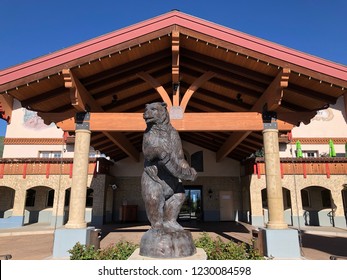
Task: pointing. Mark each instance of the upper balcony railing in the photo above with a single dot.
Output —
(300, 166)
(49, 166)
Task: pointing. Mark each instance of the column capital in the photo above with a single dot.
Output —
(82, 120)
(269, 119)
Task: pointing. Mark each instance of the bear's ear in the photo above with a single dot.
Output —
(164, 104)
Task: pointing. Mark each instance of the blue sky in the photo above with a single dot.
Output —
(29, 29)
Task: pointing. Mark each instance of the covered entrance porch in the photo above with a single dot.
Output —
(226, 92)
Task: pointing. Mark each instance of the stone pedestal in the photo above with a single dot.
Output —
(199, 255)
(65, 239)
(159, 243)
(281, 243)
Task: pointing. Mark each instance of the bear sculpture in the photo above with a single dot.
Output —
(161, 186)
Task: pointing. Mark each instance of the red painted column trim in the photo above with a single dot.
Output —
(281, 167)
(70, 171)
(2, 168)
(304, 169)
(327, 169)
(25, 166)
(48, 168)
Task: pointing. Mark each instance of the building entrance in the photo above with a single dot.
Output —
(192, 206)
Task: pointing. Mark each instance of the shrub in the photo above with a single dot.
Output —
(82, 252)
(216, 249)
(118, 251)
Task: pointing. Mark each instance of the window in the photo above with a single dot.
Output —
(309, 154)
(305, 198)
(49, 154)
(30, 198)
(326, 200)
(50, 198)
(264, 198)
(67, 197)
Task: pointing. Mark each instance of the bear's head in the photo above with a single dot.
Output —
(156, 113)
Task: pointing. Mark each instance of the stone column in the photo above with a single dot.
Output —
(79, 179)
(273, 177)
(19, 202)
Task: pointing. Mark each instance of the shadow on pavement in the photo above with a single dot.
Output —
(331, 245)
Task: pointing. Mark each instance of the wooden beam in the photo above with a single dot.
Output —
(345, 102)
(194, 86)
(271, 97)
(244, 121)
(6, 105)
(230, 144)
(124, 144)
(157, 86)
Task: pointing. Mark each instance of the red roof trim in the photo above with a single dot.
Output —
(160, 22)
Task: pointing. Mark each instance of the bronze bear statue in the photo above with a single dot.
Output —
(162, 189)
(164, 169)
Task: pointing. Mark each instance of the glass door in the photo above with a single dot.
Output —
(192, 206)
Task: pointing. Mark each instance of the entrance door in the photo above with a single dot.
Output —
(192, 207)
(226, 206)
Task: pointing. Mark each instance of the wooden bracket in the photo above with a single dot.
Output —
(81, 99)
(272, 96)
(157, 86)
(194, 86)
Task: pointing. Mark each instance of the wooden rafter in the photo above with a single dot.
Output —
(272, 98)
(191, 122)
(124, 144)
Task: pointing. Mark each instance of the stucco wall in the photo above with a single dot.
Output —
(328, 123)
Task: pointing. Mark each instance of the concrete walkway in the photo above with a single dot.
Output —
(35, 242)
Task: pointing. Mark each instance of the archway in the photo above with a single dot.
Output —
(318, 206)
(6, 201)
(39, 205)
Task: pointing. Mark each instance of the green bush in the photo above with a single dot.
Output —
(216, 249)
(82, 252)
(118, 251)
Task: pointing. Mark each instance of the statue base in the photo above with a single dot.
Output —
(162, 244)
(199, 255)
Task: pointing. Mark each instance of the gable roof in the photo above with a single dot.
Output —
(242, 68)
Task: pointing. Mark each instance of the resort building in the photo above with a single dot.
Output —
(265, 127)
